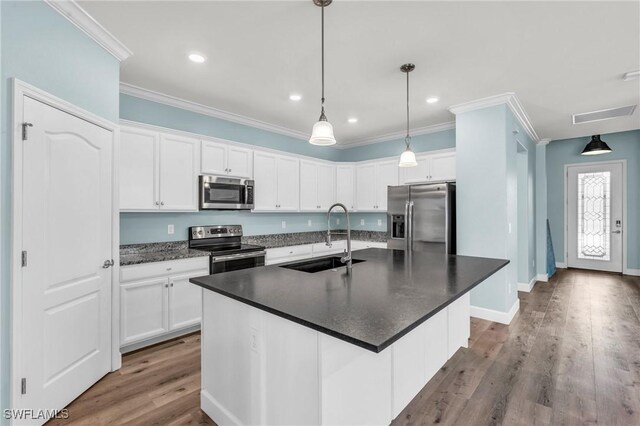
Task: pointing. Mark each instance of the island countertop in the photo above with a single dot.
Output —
(384, 297)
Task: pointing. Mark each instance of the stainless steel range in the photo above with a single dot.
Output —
(227, 253)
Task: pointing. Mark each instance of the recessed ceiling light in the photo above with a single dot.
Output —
(352, 120)
(432, 99)
(196, 57)
(295, 97)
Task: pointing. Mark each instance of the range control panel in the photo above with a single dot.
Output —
(218, 231)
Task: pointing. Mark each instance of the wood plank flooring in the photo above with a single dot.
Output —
(571, 356)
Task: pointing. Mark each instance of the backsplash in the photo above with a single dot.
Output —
(136, 228)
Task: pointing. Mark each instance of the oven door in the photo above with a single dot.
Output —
(234, 262)
(223, 193)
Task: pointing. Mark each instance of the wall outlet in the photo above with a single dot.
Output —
(284, 224)
(309, 222)
(509, 227)
(362, 222)
(338, 221)
(171, 229)
(379, 222)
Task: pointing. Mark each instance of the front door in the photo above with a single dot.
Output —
(594, 216)
(66, 285)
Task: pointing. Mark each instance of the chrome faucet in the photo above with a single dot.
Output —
(347, 253)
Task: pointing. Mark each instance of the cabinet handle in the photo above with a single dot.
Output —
(166, 286)
(229, 170)
(157, 203)
(171, 284)
(162, 203)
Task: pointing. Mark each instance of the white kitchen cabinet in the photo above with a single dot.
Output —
(361, 245)
(158, 171)
(317, 186)
(372, 180)
(219, 158)
(157, 299)
(178, 173)
(431, 168)
(277, 182)
(138, 169)
(346, 186)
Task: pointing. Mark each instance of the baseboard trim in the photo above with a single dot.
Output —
(634, 272)
(158, 339)
(561, 265)
(496, 316)
(216, 411)
(527, 287)
(542, 277)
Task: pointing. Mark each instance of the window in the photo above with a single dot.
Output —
(594, 210)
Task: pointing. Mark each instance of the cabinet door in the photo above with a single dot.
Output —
(185, 300)
(239, 162)
(308, 186)
(143, 309)
(264, 173)
(386, 175)
(345, 186)
(178, 173)
(288, 183)
(365, 187)
(138, 169)
(213, 158)
(415, 174)
(326, 186)
(443, 167)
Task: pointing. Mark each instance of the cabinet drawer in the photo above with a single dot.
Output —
(285, 254)
(154, 269)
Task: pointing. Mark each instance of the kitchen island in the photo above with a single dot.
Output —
(283, 346)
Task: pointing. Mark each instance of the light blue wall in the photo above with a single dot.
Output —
(482, 205)
(420, 143)
(42, 48)
(144, 111)
(625, 146)
(541, 209)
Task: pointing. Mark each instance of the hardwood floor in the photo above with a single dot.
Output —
(571, 356)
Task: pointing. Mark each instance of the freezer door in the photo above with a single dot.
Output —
(429, 214)
(397, 204)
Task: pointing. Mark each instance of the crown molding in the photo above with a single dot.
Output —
(544, 141)
(150, 95)
(85, 22)
(435, 128)
(510, 99)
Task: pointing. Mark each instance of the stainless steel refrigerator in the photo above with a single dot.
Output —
(422, 217)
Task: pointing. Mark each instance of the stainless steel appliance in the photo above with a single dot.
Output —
(225, 193)
(226, 251)
(422, 217)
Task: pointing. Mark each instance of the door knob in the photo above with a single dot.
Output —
(616, 232)
(107, 264)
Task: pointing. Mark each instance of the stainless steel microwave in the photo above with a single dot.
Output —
(225, 193)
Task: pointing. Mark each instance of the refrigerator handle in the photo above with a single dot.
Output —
(409, 225)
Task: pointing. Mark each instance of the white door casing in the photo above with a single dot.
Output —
(594, 199)
(66, 229)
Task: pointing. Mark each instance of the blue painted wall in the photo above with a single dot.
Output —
(42, 48)
(625, 146)
(541, 209)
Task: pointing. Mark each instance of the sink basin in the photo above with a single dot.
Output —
(317, 265)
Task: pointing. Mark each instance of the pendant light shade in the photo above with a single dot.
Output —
(596, 147)
(407, 158)
(322, 133)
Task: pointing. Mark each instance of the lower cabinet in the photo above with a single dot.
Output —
(158, 299)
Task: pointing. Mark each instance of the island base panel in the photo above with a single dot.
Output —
(258, 368)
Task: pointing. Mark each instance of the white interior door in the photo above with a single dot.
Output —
(65, 338)
(594, 217)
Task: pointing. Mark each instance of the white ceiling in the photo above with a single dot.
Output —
(559, 58)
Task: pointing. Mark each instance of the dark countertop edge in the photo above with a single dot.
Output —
(162, 257)
(373, 348)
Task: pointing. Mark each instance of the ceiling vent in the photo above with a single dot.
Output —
(604, 114)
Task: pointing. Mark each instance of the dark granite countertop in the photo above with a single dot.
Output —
(385, 297)
(135, 254)
(302, 238)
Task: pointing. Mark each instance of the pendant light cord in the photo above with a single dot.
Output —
(407, 138)
(322, 116)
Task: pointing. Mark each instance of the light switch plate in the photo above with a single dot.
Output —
(309, 222)
(338, 221)
(171, 229)
(379, 222)
(361, 221)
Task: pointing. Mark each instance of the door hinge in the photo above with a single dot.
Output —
(24, 258)
(23, 386)
(24, 130)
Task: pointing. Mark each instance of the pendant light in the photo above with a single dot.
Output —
(322, 133)
(596, 147)
(408, 158)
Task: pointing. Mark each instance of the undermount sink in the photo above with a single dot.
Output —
(317, 265)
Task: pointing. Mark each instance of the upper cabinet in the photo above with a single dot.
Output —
(317, 185)
(372, 180)
(224, 159)
(157, 171)
(346, 186)
(277, 182)
(431, 168)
